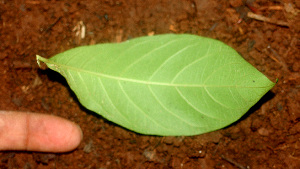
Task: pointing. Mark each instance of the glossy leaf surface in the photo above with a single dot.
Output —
(164, 84)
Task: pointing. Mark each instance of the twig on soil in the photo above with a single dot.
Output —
(276, 7)
(216, 149)
(265, 19)
(18, 64)
(292, 44)
(277, 58)
(213, 26)
(33, 2)
(51, 26)
(233, 162)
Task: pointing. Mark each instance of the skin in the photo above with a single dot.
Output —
(37, 132)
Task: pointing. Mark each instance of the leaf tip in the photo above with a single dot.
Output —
(38, 60)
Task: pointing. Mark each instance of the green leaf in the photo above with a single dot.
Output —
(164, 84)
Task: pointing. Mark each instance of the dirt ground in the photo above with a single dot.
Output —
(268, 136)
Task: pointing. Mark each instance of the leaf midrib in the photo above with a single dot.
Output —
(62, 66)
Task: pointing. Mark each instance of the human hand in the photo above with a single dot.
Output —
(37, 132)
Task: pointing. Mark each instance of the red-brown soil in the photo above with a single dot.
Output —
(266, 137)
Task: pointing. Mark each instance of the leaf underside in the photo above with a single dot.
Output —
(164, 84)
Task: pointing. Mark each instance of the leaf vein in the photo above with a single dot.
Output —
(212, 97)
(190, 64)
(147, 82)
(190, 104)
(90, 95)
(132, 102)
(145, 55)
(171, 57)
(109, 99)
(128, 49)
(169, 111)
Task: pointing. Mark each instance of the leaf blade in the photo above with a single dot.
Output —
(165, 84)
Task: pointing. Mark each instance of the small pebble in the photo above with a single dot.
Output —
(263, 132)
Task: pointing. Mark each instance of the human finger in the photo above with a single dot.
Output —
(37, 132)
